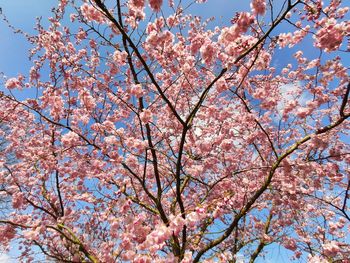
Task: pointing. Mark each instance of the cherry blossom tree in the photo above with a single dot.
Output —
(153, 135)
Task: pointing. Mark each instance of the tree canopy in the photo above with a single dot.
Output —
(147, 133)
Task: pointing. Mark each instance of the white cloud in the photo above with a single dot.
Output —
(285, 91)
(240, 258)
(4, 258)
(289, 93)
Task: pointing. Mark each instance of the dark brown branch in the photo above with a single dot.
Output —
(345, 101)
(59, 193)
(346, 197)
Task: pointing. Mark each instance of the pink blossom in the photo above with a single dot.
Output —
(331, 249)
(31, 234)
(12, 83)
(316, 259)
(158, 236)
(289, 107)
(171, 3)
(258, 7)
(34, 74)
(7, 232)
(290, 244)
(157, 39)
(244, 21)
(91, 13)
(17, 200)
(156, 4)
(194, 217)
(284, 39)
(221, 85)
(177, 224)
(229, 35)
(120, 57)
(138, 3)
(111, 140)
(303, 112)
(135, 14)
(330, 36)
(87, 100)
(126, 242)
(142, 259)
(70, 139)
(137, 90)
(81, 34)
(208, 52)
(109, 126)
(226, 144)
(146, 116)
(267, 238)
(187, 258)
(129, 255)
(73, 17)
(57, 106)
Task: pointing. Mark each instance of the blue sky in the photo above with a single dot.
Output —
(13, 47)
(14, 50)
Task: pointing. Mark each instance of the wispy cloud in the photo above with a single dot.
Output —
(4, 258)
(288, 93)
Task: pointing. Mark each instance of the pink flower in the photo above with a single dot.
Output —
(146, 116)
(244, 21)
(155, 4)
(86, 98)
(163, 233)
(34, 75)
(316, 259)
(208, 52)
(129, 255)
(331, 249)
(73, 17)
(229, 35)
(258, 7)
(109, 126)
(221, 85)
(142, 259)
(136, 90)
(70, 139)
(120, 57)
(194, 217)
(138, 3)
(187, 258)
(17, 200)
(177, 225)
(12, 83)
(57, 106)
(91, 13)
(7, 232)
(226, 145)
(81, 35)
(330, 36)
(290, 244)
(158, 236)
(303, 112)
(135, 13)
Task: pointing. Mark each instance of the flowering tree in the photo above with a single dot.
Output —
(152, 135)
